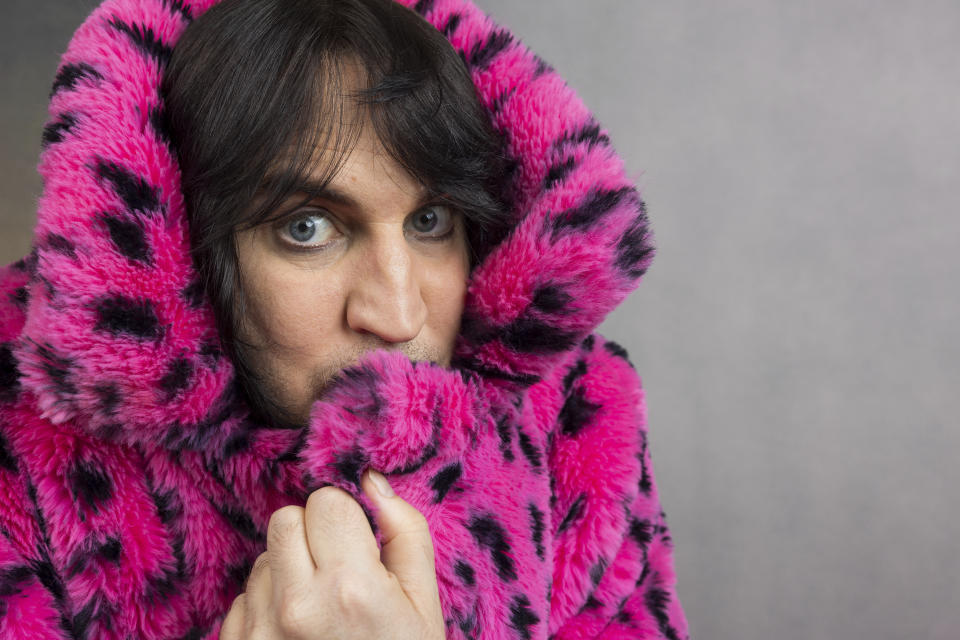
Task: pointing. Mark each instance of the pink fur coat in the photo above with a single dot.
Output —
(135, 490)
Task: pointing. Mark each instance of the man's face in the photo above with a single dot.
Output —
(371, 265)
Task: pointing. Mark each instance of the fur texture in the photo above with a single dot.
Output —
(135, 489)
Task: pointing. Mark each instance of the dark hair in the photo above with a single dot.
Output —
(255, 86)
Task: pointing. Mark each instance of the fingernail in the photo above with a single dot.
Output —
(380, 482)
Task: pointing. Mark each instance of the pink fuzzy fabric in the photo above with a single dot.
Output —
(136, 489)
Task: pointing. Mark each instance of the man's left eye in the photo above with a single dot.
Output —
(435, 220)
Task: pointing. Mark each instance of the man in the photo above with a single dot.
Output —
(280, 261)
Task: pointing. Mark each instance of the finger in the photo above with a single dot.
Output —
(339, 534)
(291, 565)
(407, 548)
(233, 624)
(258, 595)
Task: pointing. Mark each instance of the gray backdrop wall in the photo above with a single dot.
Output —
(798, 332)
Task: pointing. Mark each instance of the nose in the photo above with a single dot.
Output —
(385, 299)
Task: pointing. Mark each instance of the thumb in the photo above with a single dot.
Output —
(407, 549)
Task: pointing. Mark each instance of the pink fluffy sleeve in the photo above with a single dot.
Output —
(613, 554)
(29, 608)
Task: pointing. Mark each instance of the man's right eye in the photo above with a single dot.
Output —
(307, 230)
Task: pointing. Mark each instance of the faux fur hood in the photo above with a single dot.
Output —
(116, 323)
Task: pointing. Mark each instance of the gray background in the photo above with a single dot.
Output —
(797, 333)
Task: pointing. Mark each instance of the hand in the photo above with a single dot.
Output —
(323, 577)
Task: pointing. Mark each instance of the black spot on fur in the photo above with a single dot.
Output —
(12, 580)
(595, 206)
(9, 373)
(495, 373)
(452, 22)
(363, 378)
(496, 106)
(350, 464)
(57, 368)
(477, 330)
(194, 293)
(144, 39)
(81, 620)
(121, 315)
(109, 550)
(528, 335)
(428, 454)
(522, 616)
(179, 7)
(483, 53)
(241, 522)
(169, 507)
(20, 296)
(558, 172)
(70, 74)
(195, 633)
(90, 484)
(529, 449)
(646, 482)
(490, 534)
(423, 6)
(177, 377)
(641, 531)
(109, 395)
(48, 577)
(60, 244)
(211, 353)
(542, 67)
(505, 431)
(466, 623)
(577, 412)
(551, 299)
(657, 601)
(634, 248)
(157, 117)
(8, 460)
(575, 373)
(589, 133)
(537, 524)
(55, 131)
(592, 603)
(237, 443)
(597, 571)
(465, 572)
(237, 575)
(129, 238)
(587, 343)
(137, 194)
(445, 479)
(573, 513)
(616, 350)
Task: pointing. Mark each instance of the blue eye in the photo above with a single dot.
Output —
(435, 220)
(307, 230)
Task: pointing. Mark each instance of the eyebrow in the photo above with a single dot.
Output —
(317, 190)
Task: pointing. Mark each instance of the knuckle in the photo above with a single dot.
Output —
(353, 598)
(419, 523)
(261, 564)
(291, 619)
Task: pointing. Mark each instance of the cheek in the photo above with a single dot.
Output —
(289, 309)
(448, 290)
